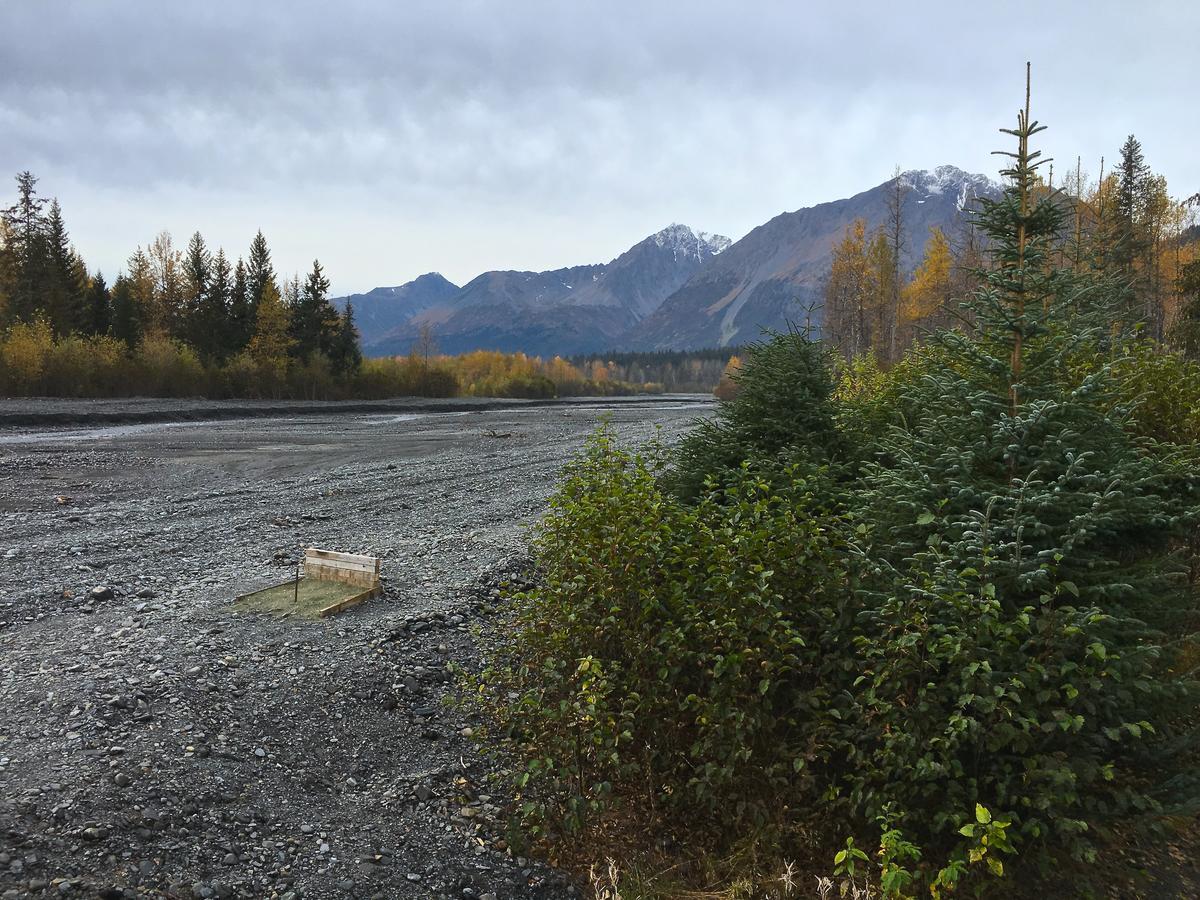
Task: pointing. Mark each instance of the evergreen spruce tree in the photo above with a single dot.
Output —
(197, 275)
(25, 247)
(212, 331)
(241, 320)
(127, 323)
(782, 414)
(98, 307)
(1020, 591)
(344, 352)
(65, 277)
(315, 323)
(259, 273)
(1126, 244)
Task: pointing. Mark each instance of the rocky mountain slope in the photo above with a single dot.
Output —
(380, 310)
(774, 274)
(574, 310)
(677, 289)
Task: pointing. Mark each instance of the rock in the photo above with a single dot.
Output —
(100, 594)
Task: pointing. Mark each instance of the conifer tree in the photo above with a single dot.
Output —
(213, 327)
(98, 307)
(259, 273)
(897, 240)
(240, 321)
(1023, 576)
(315, 323)
(1125, 245)
(25, 249)
(344, 351)
(143, 287)
(127, 324)
(64, 277)
(197, 274)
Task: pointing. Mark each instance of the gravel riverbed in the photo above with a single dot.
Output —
(155, 743)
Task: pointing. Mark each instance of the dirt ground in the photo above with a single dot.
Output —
(153, 743)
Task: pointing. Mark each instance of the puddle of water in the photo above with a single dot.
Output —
(108, 432)
(409, 417)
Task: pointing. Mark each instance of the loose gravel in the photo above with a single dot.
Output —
(155, 743)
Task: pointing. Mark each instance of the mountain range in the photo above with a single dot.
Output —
(678, 289)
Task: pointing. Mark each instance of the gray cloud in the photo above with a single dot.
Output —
(390, 139)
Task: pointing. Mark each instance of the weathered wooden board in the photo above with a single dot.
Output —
(358, 598)
(351, 568)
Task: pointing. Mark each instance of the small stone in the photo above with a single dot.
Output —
(306, 829)
(100, 593)
(260, 752)
(121, 779)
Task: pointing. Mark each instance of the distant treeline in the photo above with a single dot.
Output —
(175, 321)
(672, 371)
(35, 363)
(189, 323)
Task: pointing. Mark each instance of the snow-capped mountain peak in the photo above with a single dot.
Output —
(966, 185)
(949, 179)
(683, 241)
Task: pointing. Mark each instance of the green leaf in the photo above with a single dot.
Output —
(925, 518)
(982, 816)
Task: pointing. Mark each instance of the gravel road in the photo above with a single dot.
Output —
(154, 743)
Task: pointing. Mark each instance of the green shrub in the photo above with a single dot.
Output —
(781, 412)
(674, 651)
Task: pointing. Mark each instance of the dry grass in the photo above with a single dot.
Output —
(303, 601)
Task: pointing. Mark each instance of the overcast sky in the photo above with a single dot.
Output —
(391, 139)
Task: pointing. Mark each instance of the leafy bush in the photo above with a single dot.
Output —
(24, 351)
(674, 645)
(168, 368)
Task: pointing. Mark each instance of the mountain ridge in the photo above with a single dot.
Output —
(676, 289)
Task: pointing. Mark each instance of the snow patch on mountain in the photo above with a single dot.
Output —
(950, 178)
(689, 244)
